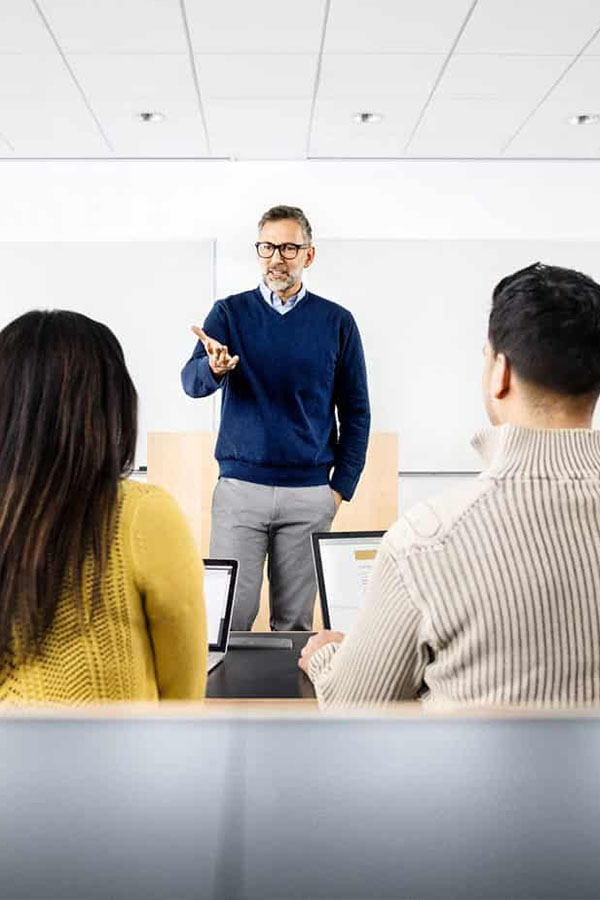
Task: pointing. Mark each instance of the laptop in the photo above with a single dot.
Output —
(343, 563)
(220, 577)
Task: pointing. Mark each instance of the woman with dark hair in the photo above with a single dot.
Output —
(100, 583)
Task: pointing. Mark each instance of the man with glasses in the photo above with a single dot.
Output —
(287, 361)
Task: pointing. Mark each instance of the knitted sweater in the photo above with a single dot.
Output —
(147, 639)
(489, 593)
(278, 420)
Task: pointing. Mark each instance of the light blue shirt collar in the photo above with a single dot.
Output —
(273, 300)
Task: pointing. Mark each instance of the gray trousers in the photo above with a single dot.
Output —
(253, 521)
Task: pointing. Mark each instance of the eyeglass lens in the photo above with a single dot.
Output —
(287, 251)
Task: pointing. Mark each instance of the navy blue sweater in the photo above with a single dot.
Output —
(278, 423)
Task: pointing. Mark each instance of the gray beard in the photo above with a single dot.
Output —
(278, 285)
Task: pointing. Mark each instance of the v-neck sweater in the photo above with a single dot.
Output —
(278, 412)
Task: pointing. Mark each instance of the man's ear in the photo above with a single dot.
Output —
(310, 255)
(501, 375)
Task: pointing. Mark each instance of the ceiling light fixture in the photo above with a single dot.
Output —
(584, 119)
(367, 118)
(152, 116)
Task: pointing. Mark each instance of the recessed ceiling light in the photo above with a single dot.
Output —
(584, 119)
(367, 118)
(152, 116)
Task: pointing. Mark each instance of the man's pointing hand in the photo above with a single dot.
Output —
(219, 359)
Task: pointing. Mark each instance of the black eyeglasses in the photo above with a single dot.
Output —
(287, 251)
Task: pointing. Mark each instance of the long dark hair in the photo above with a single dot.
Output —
(68, 426)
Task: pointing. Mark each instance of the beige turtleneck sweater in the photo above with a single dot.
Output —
(489, 593)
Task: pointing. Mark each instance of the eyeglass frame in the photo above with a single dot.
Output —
(277, 248)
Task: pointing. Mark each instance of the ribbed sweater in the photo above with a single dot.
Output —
(147, 638)
(489, 593)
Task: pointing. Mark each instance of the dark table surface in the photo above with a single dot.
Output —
(262, 673)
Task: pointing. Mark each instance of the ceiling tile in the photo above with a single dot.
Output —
(580, 85)
(241, 26)
(500, 76)
(253, 75)
(41, 111)
(394, 26)
(466, 127)
(531, 27)
(335, 133)
(387, 75)
(548, 133)
(22, 29)
(6, 149)
(258, 129)
(594, 48)
(116, 26)
(119, 87)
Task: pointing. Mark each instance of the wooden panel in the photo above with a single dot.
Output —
(374, 506)
(184, 464)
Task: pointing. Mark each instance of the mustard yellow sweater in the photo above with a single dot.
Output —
(147, 638)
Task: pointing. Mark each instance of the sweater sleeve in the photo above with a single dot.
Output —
(169, 576)
(351, 398)
(197, 377)
(382, 658)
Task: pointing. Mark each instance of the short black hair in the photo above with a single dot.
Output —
(546, 321)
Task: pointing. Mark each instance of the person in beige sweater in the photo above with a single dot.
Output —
(490, 593)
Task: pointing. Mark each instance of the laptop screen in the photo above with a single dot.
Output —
(219, 589)
(343, 563)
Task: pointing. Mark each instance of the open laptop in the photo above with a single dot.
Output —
(220, 578)
(343, 562)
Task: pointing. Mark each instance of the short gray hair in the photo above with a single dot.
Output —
(276, 213)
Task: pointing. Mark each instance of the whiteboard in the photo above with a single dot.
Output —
(422, 309)
(148, 293)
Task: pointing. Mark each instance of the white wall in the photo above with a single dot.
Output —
(147, 292)
(190, 200)
(155, 200)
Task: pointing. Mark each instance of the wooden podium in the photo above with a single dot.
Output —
(183, 463)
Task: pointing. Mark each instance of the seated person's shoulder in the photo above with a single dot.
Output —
(428, 523)
(140, 501)
(154, 523)
(138, 491)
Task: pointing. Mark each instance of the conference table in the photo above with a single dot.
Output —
(261, 672)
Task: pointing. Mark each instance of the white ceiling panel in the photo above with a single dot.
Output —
(594, 47)
(22, 29)
(335, 133)
(119, 87)
(466, 127)
(116, 26)
(6, 149)
(245, 26)
(530, 26)
(254, 75)
(500, 76)
(394, 26)
(257, 65)
(258, 129)
(548, 133)
(580, 86)
(387, 75)
(41, 111)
